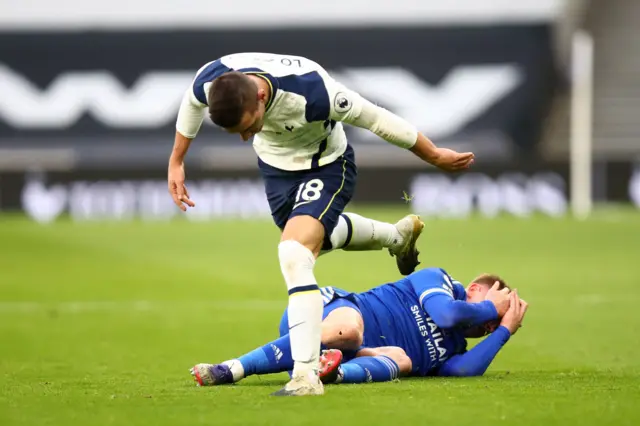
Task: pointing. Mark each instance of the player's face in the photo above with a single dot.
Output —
(476, 293)
(251, 123)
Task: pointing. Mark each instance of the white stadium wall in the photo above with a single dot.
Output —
(217, 14)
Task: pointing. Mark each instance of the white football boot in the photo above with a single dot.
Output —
(302, 385)
(409, 227)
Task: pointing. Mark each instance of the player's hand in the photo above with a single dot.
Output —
(450, 160)
(512, 320)
(177, 189)
(499, 298)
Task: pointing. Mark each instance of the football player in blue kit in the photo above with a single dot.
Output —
(417, 326)
(295, 111)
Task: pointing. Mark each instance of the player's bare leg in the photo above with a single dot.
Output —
(299, 247)
(357, 233)
(343, 329)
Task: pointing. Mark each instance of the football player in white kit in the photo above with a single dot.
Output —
(294, 111)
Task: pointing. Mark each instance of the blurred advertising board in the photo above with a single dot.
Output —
(489, 190)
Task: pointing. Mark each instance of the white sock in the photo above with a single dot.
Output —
(236, 369)
(305, 306)
(356, 233)
(340, 234)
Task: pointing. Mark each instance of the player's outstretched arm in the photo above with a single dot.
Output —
(477, 360)
(349, 107)
(176, 175)
(443, 158)
(190, 117)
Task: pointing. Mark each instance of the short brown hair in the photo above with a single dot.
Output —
(489, 279)
(230, 96)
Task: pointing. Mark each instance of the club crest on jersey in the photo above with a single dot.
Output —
(341, 103)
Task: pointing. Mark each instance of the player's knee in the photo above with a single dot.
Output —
(306, 230)
(404, 362)
(352, 336)
(399, 356)
(346, 337)
(296, 262)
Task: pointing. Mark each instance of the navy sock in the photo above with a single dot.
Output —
(369, 369)
(274, 357)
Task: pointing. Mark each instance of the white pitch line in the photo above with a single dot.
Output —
(32, 307)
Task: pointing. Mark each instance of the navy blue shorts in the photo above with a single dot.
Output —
(322, 192)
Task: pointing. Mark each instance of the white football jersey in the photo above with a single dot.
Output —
(302, 124)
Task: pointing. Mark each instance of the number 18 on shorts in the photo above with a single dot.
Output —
(322, 193)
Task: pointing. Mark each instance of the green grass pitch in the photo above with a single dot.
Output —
(100, 322)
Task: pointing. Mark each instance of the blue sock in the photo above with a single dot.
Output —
(369, 369)
(274, 357)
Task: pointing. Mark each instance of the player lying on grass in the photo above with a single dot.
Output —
(416, 326)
